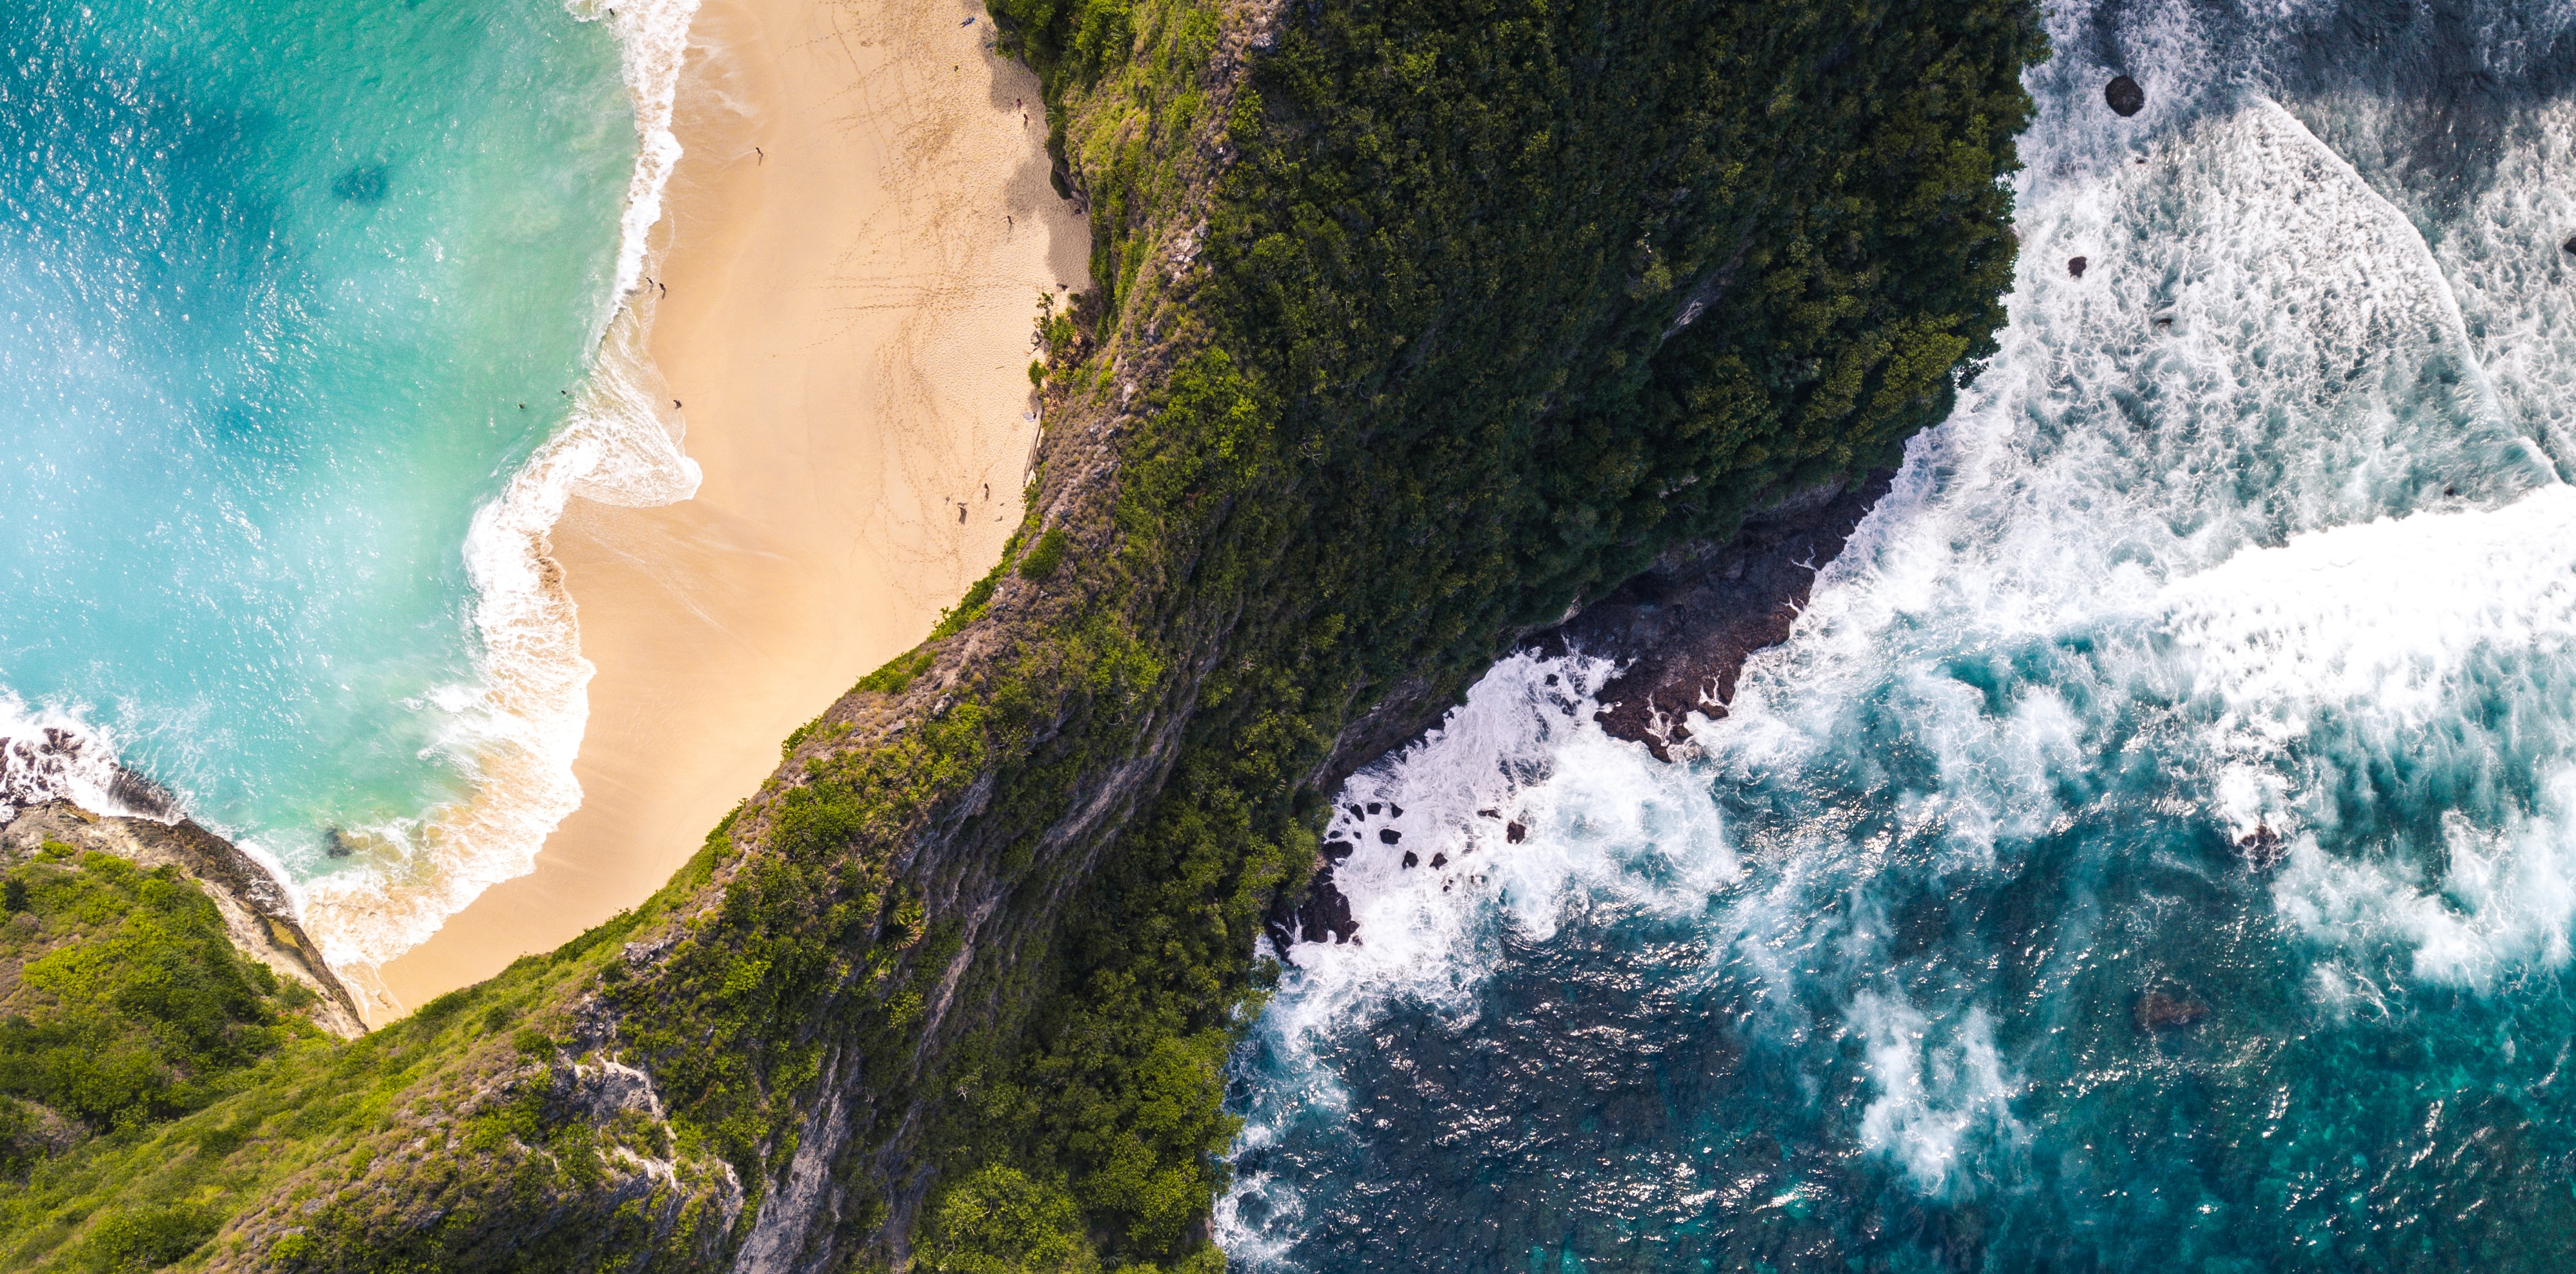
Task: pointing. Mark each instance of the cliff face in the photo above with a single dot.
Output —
(1414, 326)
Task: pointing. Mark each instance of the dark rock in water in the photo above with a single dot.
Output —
(1389, 835)
(1325, 914)
(1355, 810)
(1374, 807)
(335, 843)
(1686, 626)
(362, 184)
(2124, 95)
(141, 795)
(2076, 267)
(2261, 847)
(1410, 860)
(2159, 1011)
(1394, 810)
(1337, 850)
(1513, 832)
(1439, 860)
(1489, 813)
(2570, 245)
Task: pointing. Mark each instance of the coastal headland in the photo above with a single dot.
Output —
(849, 257)
(1405, 333)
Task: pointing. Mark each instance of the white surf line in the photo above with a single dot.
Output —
(519, 726)
(2455, 323)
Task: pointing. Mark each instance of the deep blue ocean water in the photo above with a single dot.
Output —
(2156, 847)
(290, 292)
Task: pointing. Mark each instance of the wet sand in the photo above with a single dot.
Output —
(852, 248)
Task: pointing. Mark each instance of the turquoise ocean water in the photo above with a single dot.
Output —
(2156, 847)
(290, 292)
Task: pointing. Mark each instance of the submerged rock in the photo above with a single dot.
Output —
(2159, 1011)
(364, 184)
(2124, 95)
(2076, 267)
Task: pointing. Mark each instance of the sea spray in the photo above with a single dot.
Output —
(49, 754)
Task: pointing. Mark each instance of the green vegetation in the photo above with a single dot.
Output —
(1493, 302)
(1499, 302)
(1045, 556)
(122, 1002)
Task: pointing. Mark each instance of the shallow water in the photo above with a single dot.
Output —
(290, 290)
(1946, 952)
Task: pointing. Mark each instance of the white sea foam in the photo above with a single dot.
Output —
(1939, 1103)
(52, 753)
(2256, 497)
(652, 41)
(518, 727)
(1635, 834)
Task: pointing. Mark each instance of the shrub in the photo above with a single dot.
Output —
(998, 1221)
(1045, 556)
(146, 1238)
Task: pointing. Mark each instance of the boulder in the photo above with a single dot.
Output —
(2124, 95)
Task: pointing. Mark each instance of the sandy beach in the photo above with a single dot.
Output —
(847, 268)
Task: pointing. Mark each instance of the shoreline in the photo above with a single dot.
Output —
(845, 333)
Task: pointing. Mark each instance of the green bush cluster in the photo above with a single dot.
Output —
(1046, 555)
(130, 1003)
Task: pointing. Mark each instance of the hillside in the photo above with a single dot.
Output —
(1413, 326)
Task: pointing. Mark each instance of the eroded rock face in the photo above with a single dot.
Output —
(1684, 628)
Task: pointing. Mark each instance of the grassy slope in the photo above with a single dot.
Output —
(1454, 314)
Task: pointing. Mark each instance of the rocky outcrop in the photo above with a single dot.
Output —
(1683, 629)
(256, 909)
